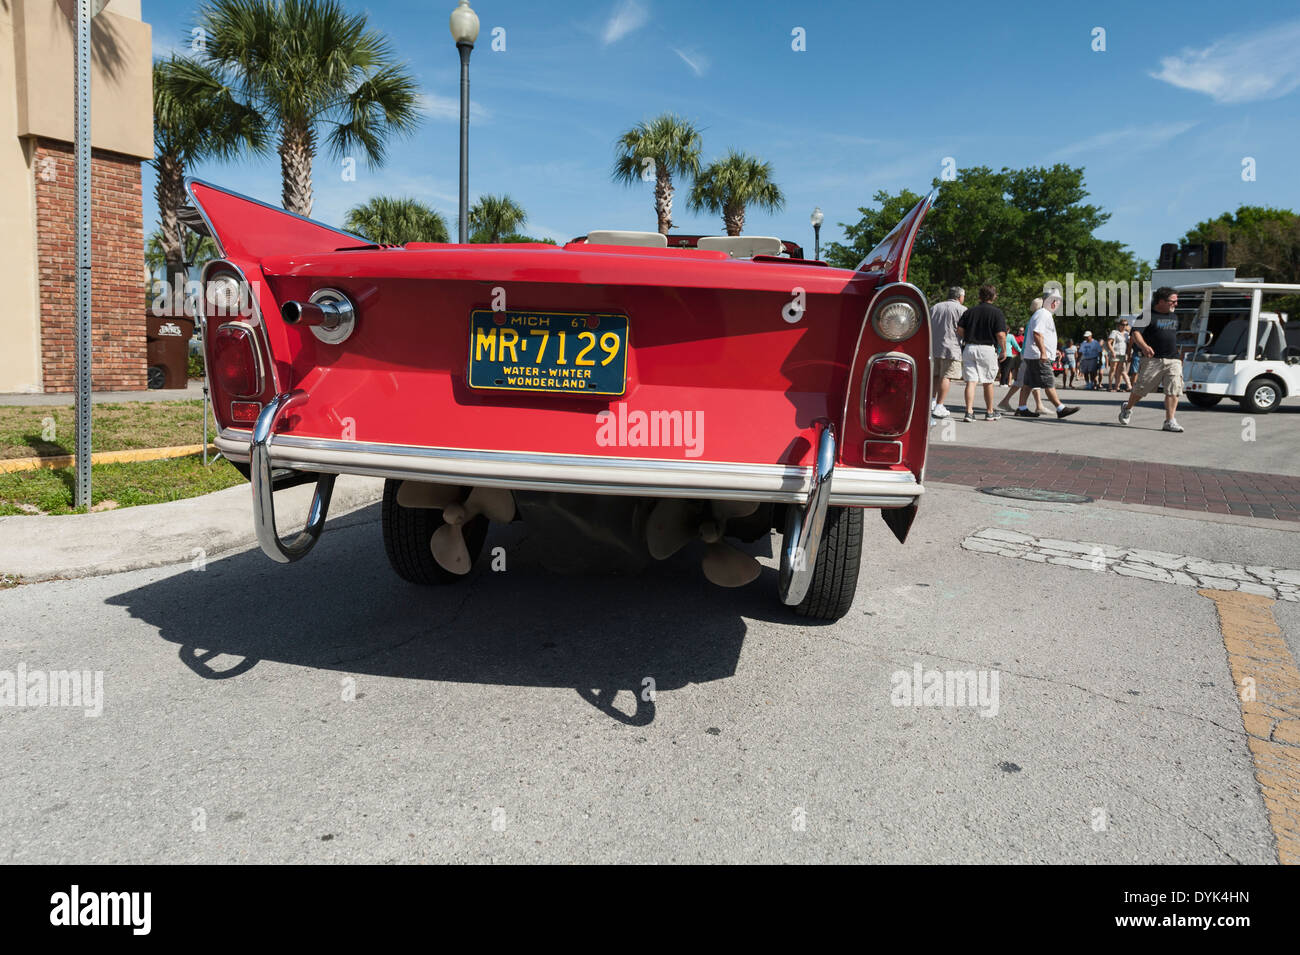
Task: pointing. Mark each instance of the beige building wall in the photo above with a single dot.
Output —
(37, 63)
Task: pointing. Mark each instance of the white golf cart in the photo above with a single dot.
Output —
(1241, 352)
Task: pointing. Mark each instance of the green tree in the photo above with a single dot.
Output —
(197, 250)
(494, 217)
(732, 184)
(1017, 228)
(389, 220)
(311, 68)
(196, 117)
(662, 148)
(1262, 243)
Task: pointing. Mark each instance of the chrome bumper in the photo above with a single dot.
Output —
(574, 473)
(259, 455)
(803, 526)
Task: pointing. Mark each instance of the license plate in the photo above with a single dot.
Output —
(560, 352)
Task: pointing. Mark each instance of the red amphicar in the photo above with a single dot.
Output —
(643, 389)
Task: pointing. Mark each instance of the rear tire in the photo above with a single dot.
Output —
(835, 577)
(407, 533)
(1202, 400)
(1263, 395)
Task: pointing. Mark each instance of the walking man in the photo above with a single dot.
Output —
(945, 347)
(1040, 350)
(1119, 343)
(984, 332)
(1158, 345)
(1089, 359)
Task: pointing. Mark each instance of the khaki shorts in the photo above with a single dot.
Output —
(979, 363)
(948, 368)
(1154, 372)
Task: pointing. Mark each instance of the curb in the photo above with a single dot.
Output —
(67, 546)
(9, 465)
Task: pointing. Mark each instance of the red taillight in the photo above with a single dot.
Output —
(234, 361)
(245, 412)
(882, 452)
(887, 395)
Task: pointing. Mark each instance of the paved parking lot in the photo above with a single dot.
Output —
(325, 711)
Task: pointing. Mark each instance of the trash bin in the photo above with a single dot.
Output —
(167, 350)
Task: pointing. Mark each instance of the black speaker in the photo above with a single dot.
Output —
(1168, 255)
(1218, 255)
(1191, 257)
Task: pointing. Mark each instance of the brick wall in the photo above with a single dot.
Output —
(117, 297)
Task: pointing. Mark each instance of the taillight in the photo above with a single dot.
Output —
(234, 358)
(888, 392)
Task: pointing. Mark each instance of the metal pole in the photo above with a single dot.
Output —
(465, 50)
(82, 145)
(817, 242)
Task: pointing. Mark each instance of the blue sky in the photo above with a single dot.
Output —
(1161, 120)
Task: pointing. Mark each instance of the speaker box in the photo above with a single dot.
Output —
(1218, 255)
(1168, 255)
(1192, 257)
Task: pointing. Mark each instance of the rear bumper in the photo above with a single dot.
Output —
(590, 474)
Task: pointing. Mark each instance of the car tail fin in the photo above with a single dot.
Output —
(891, 254)
(249, 229)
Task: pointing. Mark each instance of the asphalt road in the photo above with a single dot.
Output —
(326, 711)
(1219, 437)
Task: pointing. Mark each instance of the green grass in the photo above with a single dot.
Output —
(45, 431)
(128, 484)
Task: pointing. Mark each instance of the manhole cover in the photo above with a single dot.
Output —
(1037, 494)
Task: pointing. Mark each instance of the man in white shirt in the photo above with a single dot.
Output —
(1040, 351)
(1117, 342)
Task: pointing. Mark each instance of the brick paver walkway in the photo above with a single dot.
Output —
(1214, 490)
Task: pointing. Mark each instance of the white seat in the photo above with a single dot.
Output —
(653, 240)
(742, 246)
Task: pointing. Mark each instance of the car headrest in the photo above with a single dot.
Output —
(653, 240)
(742, 246)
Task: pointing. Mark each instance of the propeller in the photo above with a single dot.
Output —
(448, 543)
(424, 494)
(674, 523)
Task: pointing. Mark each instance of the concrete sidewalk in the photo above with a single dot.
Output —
(193, 392)
(155, 535)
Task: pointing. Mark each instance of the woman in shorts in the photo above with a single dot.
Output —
(1071, 361)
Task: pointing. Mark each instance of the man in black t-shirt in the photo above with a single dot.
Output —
(1161, 366)
(983, 331)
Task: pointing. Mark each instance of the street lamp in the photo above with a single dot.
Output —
(816, 220)
(464, 30)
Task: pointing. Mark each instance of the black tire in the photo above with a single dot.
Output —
(407, 533)
(1263, 395)
(835, 577)
(1202, 400)
(156, 377)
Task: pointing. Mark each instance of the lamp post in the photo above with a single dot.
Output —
(816, 220)
(464, 30)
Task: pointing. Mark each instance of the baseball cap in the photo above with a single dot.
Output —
(1087, 334)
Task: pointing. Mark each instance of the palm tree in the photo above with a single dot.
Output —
(732, 183)
(666, 146)
(312, 68)
(196, 250)
(196, 117)
(389, 220)
(494, 217)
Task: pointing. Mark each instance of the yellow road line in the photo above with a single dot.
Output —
(8, 465)
(1268, 689)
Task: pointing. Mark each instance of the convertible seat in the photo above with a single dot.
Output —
(653, 240)
(742, 246)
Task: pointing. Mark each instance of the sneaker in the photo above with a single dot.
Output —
(1067, 411)
(968, 417)
(992, 416)
(1125, 414)
(1026, 413)
(1172, 426)
(939, 411)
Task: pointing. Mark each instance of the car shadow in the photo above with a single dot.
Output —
(342, 608)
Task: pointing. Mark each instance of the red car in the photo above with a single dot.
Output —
(617, 387)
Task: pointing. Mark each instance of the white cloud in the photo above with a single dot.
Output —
(1126, 140)
(696, 61)
(448, 108)
(1240, 69)
(627, 16)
